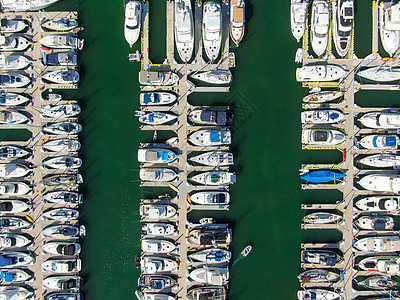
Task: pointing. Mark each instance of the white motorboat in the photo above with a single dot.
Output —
(157, 211)
(158, 78)
(212, 29)
(327, 137)
(63, 163)
(25, 5)
(210, 275)
(61, 231)
(62, 145)
(378, 244)
(343, 17)
(63, 180)
(214, 76)
(321, 257)
(162, 229)
(375, 223)
(323, 96)
(62, 24)
(380, 120)
(14, 117)
(156, 155)
(65, 76)
(62, 128)
(237, 20)
(133, 20)
(60, 111)
(61, 214)
(148, 282)
(13, 43)
(216, 292)
(323, 116)
(318, 276)
(14, 188)
(13, 276)
(320, 23)
(12, 25)
(157, 98)
(155, 117)
(13, 170)
(157, 246)
(298, 17)
(157, 174)
(381, 74)
(14, 292)
(60, 59)
(64, 296)
(317, 294)
(12, 99)
(12, 152)
(322, 218)
(210, 116)
(13, 80)
(13, 223)
(62, 282)
(8, 241)
(154, 265)
(378, 282)
(184, 29)
(62, 248)
(211, 256)
(380, 142)
(383, 264)
(389, 26)
(63, 197)
(381, 183)
(13, 206)
(320, 72)
(13, 62)
(152, 296)
(15, 259)
(214, 178)
(379, 203)
(62, 266)
(59, 41)
(210, 237)
(381, 160)
(213, 158)
(211, 137)
(210, 198)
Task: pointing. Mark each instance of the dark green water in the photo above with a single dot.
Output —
(265, 210)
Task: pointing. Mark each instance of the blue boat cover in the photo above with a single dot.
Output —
(334, 116)
(390, 141)
(214, 137)
(5, 276)
(5, 261)
(322, 176)
(148, 98)
(164, 156)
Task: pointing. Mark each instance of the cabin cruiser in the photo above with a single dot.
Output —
(212, 29)
(381, 160)
(14, 292)
(380, 142)
(322, 218)
(157, 98)
(13, 62)
(60, 59)
(12, 99)
(62, 24)
(375, 223)
(62, 128)
(8, 241)
(61, 214)
(322, 176)
(61, 231)
(61, 145)
(298, 17)
(15, 259)
(211, 116)
(157, 246)
(13, 80)
(210, 275)
(379, 203)
(318, 276)
(157, 211)
(343, 17)
(63, 197)
(59, 41)
(211, 256)
(153, 296)
(323, 116)
(378, 282)
(389, 26)
(184, 29)
(157, 174)
(155, 117)
(207, 292)
(389, 265)
(320, 23)
(64, 296)
(163, 229)
(381, 120)
(62, 163)
(381, 74)
(62, 265)
(210, 137)
(12, 25)
(325, 137)
(13, 223)
(381, 183)
(13, 43)
(60, 111)
(237, 19)
(210, 198)
(63, 180)
(158, 78)
(156, 282)
(156, 155)
(214, 178)
(133, 20)
(321, 257)
(154, 265)
(25, 5)
(317, 294)
(13, 276)
(323, 96)
(14, 188)
(210, 237)
(13, 206)
(62, 282)
(320, 72)
(13, 170)
(378, 244)
(65, 76)
(12, 152)
(213, 158)
(214, 76)
(62, 248)
(14, 117)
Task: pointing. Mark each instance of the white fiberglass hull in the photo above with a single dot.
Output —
(62, 145)
(214, 76)
(381, 183)
(320, 72)
(323, 96)
(298, 17)
(13, 43)
(381, 74)
(381, 160)
(206, 137)
(213, 158)
(184, 29)
(157, 246)
(133, 19)
(379, 203)
(324, 116)
(342, 23)
(212, 29)
(390, 38)
(157, 98)
(60, 111)
(325, 137)
(26, 5)
(381, 142)
(13, 62)
(320, 22)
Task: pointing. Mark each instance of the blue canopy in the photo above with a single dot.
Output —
(334, 116)
(151, 98)
(322, 176)
(5, 261)
(390, 141)
(6, 276)
(214, 137)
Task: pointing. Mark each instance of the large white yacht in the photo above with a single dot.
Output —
(320, 22)
(378, 244)
(237, 19)
(381, 120)
(133, 19)
(320, 72)
(381, 160)
(381, 183)
(23, 5)
(184, 29)
(343, 16)
(389, 26)
(212, 29)
(381, 74)
(298, 17)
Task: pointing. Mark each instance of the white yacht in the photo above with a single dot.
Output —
(59, 24)
(298, 17)
(156, 155)
(157, 174)
(210, 275)
(214, 178)
(210, 198)
(62, 128)
(13, 223)
(60, 59)
(157, 246)
(59, 41)
(155, 117)
(212, 29)
(381, 120)
(13, 170)
(322, 218)
(13, 62)
(380, 142)
(320, 72)
(25, 5)
(237, 19)
(14, 292)
(213, 158)
(64, 282)
(153, 296)
(211, 256)
(375, 223)
(13, 117)
(155, 265)
(321, 116)
(318, 276)
(323, 96)
(12, 25)
(214, 76)
(61, 145)
(61, 214)
(133, 20)
(12, 99)
(383, 264)
(8, 241)
(160, 229)
(13, 43)
(65, 76)
(379, 203)
(12, 152)
(62, 248)
(343, 17)
(14, 276)
(378, 244)
(381, 160)
(14, 188)
(62, 266)
(62, 163)
(210, 137)
(381, 183)
(157, 211)
(184, 29)
(62, 232)
(60, 111)
(389, 26)
(327, 137)
(158, 78)
(13, 206)
(317, 294)
(320, 23)
(381, 74)
(157, 98)
(13, 80)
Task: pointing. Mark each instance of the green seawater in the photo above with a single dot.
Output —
(265, 210)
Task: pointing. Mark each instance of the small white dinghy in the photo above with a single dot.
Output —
(323, 96)
(12, 99)
(133, 19)
(8, 153)
(211, 256)
(210, 275)
(13, 43)
(214, 76)
(379, 203)
(210, 198)
(9, 241)
(381, 142)
(63, 163)
(214, 178)
(13, 62)
(157, 246)
(157, 98)
(157, 174)
(324, 116)
(160, 229)
(14, 188)
(62, 128)
(322, 218)
(381, 160)
(210, 137)
(13, 170)
(66, 76)
(157, 211)
(213, 158)
(60, 111)
(63, 197)
(61, 145)
(61, 214)
(155, 118)
(13, 80)
(62, 42)
(381, 74)
(13, 206)
(327, 137)
(62, 265)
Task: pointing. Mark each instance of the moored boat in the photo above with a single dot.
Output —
(214, 76)
(157, 98)
(157, 174)
(13, 275)
(155, 118)
(157, 246)
(378, 244)
(12, 25)
(14, 188)
(61, 231)
(62, 266)
(321, 257)
(62, 128)
(322, 218)
(210, 198)
(210, 137)
(317, 294)
(59, 41)
(320, 23)
(60, 59)
(323, 96)
(61, 145)
(158, 78)
(12, 99)
(9, 241)
(14, 223)
(60, 111)
(61, 24)
(133, 20)
(153, 296)
(381, 160)
(13, 80)
(237, 20)
(389, 26)
(15, 259)
(65, 282)
(157, 211)
(343, 17)
(184, 29)
(13, 206)
(380, 74)
(156, 155)
(212, 29)
(65, 76)
(214, 178)
(156, 282)
(320, 72)
(375, 223)
(318, 276)
(13, 43)
(212, 292)
(64, 296)
(160, 229)
(326, 137)
(12, 152)
(323, 116)
(13, 62)
(216, 237)
(26, 5)
(384, 264)
(379, 203)
(15, 292)
(211, 116)
(62, 248)
(211, 256)
(63, 197)
(63, 180)
(154, 264)
(381, 120)
(210, 275)
(14, 117)
(213, 158)
(13, 170)
(298, 17)
(63, 163)
(380, 141)
(61, 214)
(378, 282)
(381, 183)
(322, 176)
